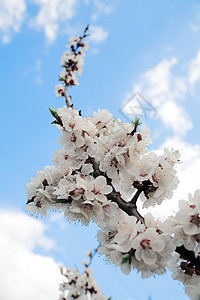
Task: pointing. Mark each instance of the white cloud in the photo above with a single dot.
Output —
(25, 275)
(157, 81)
(98, 34)
(52, 15)
(174, 117)
(12, 15)
(163, 89)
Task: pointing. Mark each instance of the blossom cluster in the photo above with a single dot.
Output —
(187, 228)
(101, 159)
(102, 170)
(79, 286)
(185, 273)
(72, 61)
(129, 243)
(92, 166)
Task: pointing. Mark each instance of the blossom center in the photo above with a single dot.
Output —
(195, 219)
(145, 244)
(113, 162)
(95, 191)
(73, 138)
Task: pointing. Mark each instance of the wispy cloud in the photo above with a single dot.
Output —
(51, 15)
(98, 34)
(165, 91)
(175, 117)
(12, 15)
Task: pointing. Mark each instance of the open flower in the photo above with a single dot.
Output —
(148, 245)
(97, 189)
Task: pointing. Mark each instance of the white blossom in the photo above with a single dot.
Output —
(59, 90)
(148, 245)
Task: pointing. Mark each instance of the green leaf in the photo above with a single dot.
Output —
(126, 258)
(55, 122)
(137, 122)
(56, 200)
(61, 78)
(54, 113)
(56, 116)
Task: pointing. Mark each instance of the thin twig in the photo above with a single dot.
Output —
(93, 255)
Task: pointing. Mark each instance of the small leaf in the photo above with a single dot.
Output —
(54, 113)
(55, 122)
(56, 116)
(56, 200)
(126, 258)
(137, 122)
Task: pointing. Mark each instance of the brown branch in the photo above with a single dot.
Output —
(129, 207)
(137, 194)
(190, 257)
(67, 97)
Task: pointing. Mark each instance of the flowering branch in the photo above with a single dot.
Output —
(91, 255)
(103, 163)
(73, 64)
(80, 286)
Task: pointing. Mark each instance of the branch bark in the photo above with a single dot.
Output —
(129, 207)
(67, 97)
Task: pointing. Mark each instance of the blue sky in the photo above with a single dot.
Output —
(151, 47)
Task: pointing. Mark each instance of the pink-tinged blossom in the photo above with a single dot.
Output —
(97, 189)
(70, 118)
(71, 140)
(189, 215)
(148, 245)
(79, 286)
(127, 230)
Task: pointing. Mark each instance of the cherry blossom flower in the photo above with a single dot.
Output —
(148, 245)
(59, 90)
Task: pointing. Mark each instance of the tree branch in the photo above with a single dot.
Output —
(67, 97)
(190, 257)
(129, 207)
